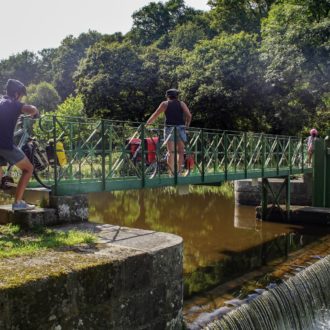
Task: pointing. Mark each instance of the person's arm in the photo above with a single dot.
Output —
(30, 110)
(162, 107)
(187, 114)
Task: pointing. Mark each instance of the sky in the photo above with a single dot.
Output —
(38, 24)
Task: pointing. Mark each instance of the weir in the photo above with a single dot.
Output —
(301, 302)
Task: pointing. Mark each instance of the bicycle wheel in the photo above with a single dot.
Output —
(39, 180)
(39, 164)
(151, 170)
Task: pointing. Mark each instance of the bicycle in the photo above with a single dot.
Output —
(155, 157)
(34, 151)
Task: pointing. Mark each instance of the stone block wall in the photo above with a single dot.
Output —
(112, 286)
(246, 193)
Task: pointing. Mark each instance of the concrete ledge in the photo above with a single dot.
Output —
(31, 218)
(131, 279)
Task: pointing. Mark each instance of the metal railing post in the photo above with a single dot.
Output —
(55, 156)
(203, 155)
(143, 178)
(302, 155)
(290, 156)
(245, 155)
(71, 151)
(110, 148)
(103, 153)
(277, 156)
(263, 153)
(225, 142)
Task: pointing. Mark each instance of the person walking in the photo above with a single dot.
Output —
(11, 108)
(177, 117)
(310, 144)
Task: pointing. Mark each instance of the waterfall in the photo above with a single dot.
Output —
(301, 302)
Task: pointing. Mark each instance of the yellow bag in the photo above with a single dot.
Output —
(61, 156)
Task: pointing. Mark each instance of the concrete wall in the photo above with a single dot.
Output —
(131, 280)
(246, 193)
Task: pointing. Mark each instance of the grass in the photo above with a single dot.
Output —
(14, 241)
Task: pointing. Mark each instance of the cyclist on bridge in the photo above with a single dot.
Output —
(10, 109)
(177, 115)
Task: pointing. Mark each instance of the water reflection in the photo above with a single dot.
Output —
(221, 240)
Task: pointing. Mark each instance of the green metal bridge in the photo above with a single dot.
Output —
(104, 155)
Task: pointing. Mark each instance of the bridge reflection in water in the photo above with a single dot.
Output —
(105, 155)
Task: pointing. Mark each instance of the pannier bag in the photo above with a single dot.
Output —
(36, 155)
(60, 153)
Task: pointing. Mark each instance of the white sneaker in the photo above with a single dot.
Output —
(22, 206)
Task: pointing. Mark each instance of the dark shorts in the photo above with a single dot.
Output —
(11, 156)
(180, 133)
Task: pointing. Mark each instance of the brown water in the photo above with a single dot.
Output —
(221, 240)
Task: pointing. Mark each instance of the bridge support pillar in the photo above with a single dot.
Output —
(70, 208)
(321, 173)
(267, 191)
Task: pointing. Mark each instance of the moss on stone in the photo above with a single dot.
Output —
(20, 270)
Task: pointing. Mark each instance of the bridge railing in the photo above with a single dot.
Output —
(126, 153)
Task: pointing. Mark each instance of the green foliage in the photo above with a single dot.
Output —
(71, 51)
(295, 49)
(47, 57)
(44, 96)
(23, 66)
(157, 19)
(116, 81)
(222, 81)
(186, 36)
(72, 106)
(234, 16)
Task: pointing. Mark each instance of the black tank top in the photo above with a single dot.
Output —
(174, 113)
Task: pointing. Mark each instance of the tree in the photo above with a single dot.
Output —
(73, 106)
(47, 57)
(23, 66)
(71, 51)
(295, 51)
(233, 16)
(222, 81)
(186, 36)
(44, 96)
(114, 81)
(156, 20)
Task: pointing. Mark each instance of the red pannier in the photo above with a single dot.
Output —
(189, 161)
(150, 147)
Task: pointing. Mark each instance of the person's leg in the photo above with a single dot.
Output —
(181, 140)
(180, 159)
(170, 156)
(27, 170)
(309, 160)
